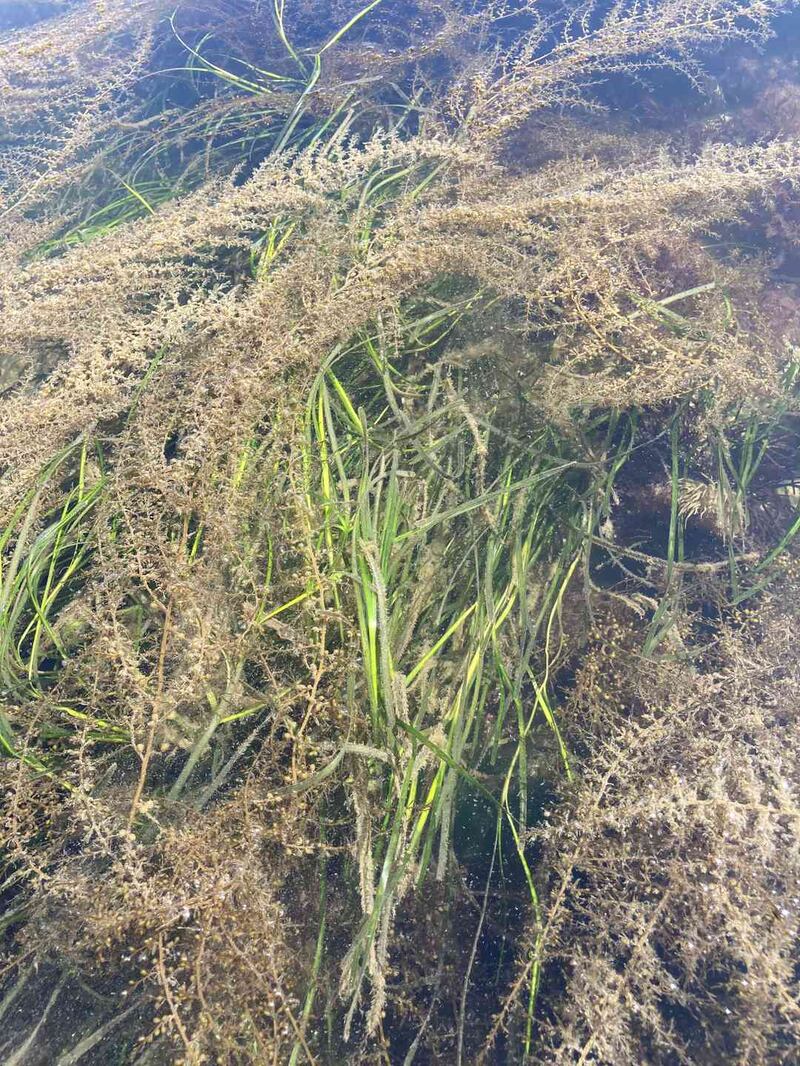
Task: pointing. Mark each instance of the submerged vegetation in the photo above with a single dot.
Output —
(398, 532)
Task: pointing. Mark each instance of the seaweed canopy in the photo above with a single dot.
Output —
(681, 929)
(339, 373)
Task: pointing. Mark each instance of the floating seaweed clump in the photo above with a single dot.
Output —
(398, 532)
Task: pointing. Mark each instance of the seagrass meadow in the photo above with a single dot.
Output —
(399, 513)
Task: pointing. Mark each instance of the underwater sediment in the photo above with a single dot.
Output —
(399, 574)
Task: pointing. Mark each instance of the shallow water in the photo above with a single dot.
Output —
(534, 551)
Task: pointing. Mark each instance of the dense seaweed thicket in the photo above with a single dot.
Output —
(399, 582)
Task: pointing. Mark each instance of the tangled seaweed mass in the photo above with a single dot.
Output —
(398, 433)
